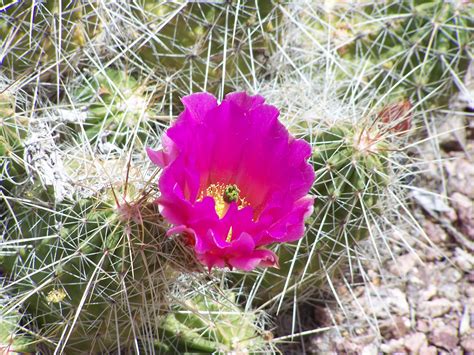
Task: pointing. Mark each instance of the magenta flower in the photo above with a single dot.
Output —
(234, 180)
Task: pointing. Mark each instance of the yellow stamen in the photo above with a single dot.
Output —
(229, 235)
(223, 196)
(216, 191)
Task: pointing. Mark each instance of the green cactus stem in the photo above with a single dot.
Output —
(117, 109)
(205, 324)
(417, 49)
(207, 47)
(45, 35)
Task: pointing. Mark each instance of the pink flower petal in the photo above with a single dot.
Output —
(199, 105)
(238, 142)
(167, 155)
(259, 257)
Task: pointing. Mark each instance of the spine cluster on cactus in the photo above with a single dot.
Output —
(117, 110)
(15, 336)
(79, 268)
(194, 47)
(95, 278)
(207, 323)
(418, 50)
(45, 36)
(13, 131)
(88, 268)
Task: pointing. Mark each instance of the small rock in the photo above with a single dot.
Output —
(455, 138)
(460, 176)
(464, 260)
(428, 350)
(370, 349)
(431, 255)
(451, 274)
(445, 337)
(363, 340)
(396, 328)
(326, 342)
(470, 278)
(384, 302)
(422, 326)
(374, 277)
(404, 264)
(434, 231)
(451, 215)
(415, 278)
(435, 308)
(469, 291)
(456, 351)
(414, 342)
(467, 344)
(464, 207)
(392, 346)
(428, 294)
(348, 347)
(429, 201)
(402, 237)
(450, 291)
(465, 323)
(435, 323)
(460, 201)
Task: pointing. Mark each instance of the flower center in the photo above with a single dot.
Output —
(223, 196)
(231, 193)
